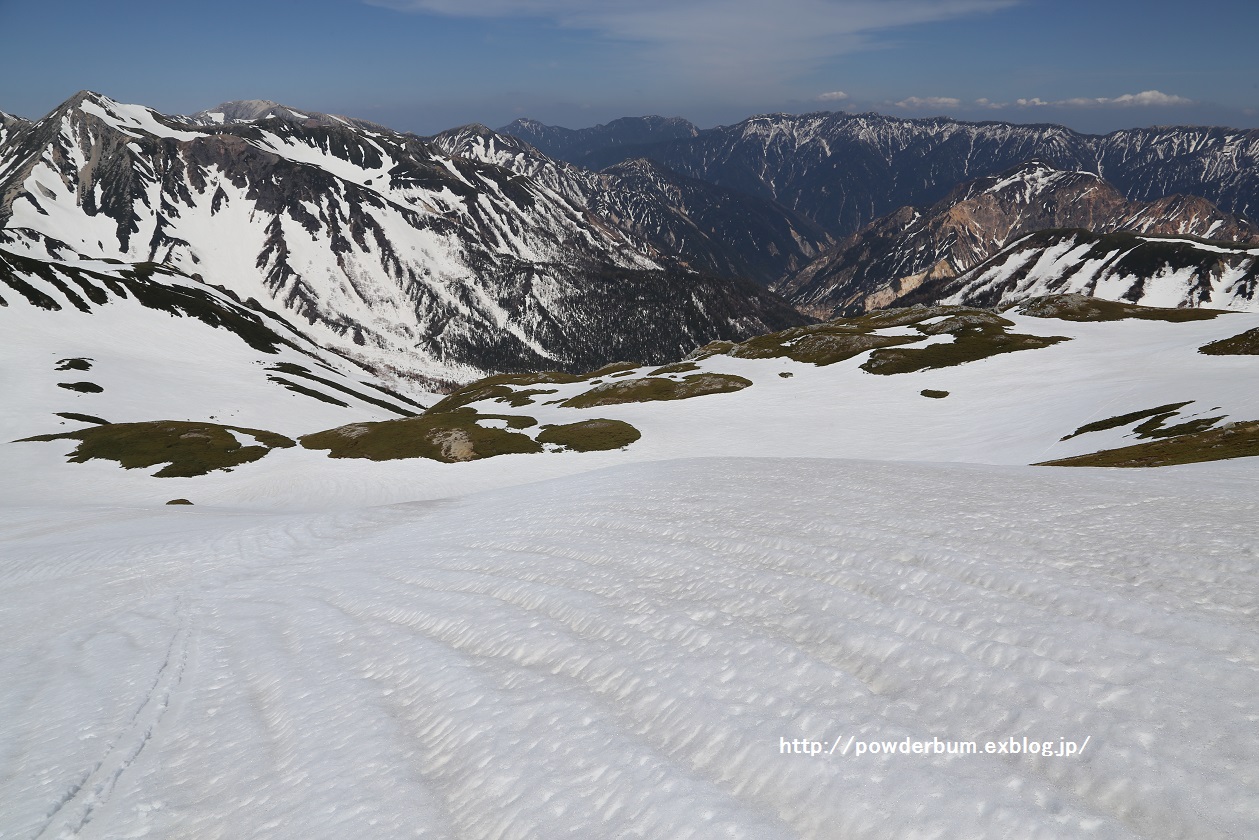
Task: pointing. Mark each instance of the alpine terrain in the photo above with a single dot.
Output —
(359, 484)
(387, 248)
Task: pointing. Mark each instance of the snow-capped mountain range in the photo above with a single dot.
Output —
(390, 249)
(471, 252)
(843, 171)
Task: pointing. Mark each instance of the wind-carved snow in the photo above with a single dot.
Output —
(624, 653)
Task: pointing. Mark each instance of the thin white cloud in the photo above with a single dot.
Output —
(738, 43)
(929, 102)
(833, 96)
(1144, 99)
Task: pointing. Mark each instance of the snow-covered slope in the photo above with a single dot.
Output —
(725, 630)
(892, 257)
(1031, 383)
(89, 341)
(650, 651)
(389, 249)
(1148, 270)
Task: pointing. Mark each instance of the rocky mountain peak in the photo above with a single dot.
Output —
(242, 110)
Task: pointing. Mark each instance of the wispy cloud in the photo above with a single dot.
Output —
(738, 42)
(1144, 99)
(929, 102)
(833, 96)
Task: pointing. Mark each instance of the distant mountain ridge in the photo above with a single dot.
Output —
(845, 170)
(602, 145)
(254, 110)
(895, 255)
(705, 226)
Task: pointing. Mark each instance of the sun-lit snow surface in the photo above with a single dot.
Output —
(616, 644)
(1008, 409)
(153, 365)
(620, 654)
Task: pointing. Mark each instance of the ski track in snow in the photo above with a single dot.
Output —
(619, 653)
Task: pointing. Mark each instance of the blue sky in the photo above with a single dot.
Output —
(426, 65)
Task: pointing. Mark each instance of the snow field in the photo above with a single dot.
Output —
(619, 654)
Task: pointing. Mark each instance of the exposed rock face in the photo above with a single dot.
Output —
(911, 249)
(388, 248)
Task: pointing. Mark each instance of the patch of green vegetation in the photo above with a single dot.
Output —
(613, 368)
(81, 387)
(1154, 428)
(449, 437)
(970, 344)
(883, 319)
(676, 367)
(822, 344)
(496, 387)
(513, 421)
(933, 394)
(844, 338)
(179, 502)
(1083, 308)
(74, 364)
(1246, 344)
(309, 392)
(520, 399)
(654, 388)
(187, 448)
(1234, 440)
(83, 418)
(590, 435)
(292, 369)
(713, 348)
(960, 322)
(1122, 420)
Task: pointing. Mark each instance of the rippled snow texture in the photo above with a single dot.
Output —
(618, 654)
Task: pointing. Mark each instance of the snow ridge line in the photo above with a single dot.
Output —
(76, 808)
